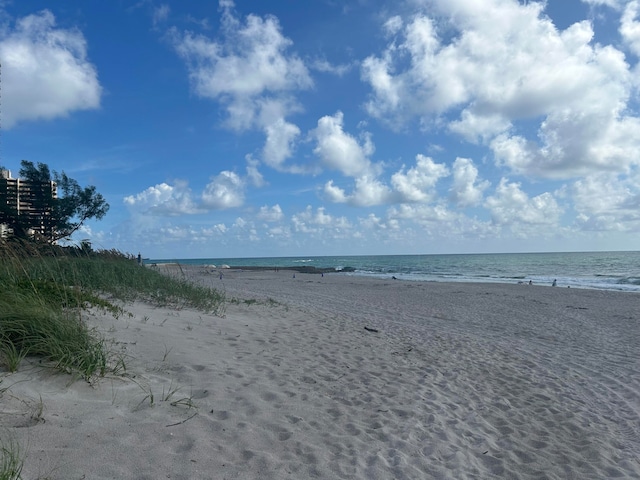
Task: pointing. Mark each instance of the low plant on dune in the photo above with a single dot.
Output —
(45, 290)
(12, 459)
(33, 327)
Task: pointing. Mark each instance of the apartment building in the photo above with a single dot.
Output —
(30, 201)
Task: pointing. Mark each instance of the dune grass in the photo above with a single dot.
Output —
(44, 292)
(11, 459)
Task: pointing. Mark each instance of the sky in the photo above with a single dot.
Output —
(244, 128)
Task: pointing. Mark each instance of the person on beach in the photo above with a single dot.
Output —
(139, 259)
(554, 283)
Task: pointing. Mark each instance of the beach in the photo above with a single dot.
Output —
(340, 377)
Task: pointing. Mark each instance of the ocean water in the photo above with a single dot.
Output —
(596, 270)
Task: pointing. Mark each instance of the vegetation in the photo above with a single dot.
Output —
(11, 461)
(73, 206)
(44, 290)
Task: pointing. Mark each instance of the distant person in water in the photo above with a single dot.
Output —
(554, 283)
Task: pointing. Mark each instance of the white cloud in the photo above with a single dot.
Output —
(280, 142)
(253, 174)
(606, 203)
(417, 184)
(388, 90)
(225, 190)
(161, 14)
(164, 199)
(510, 206)
(393, 25)
(251, 73)
(630, 26)
(367, 192)
(479, 128)
(270, 214)
(309, 221)
(503, 62)
(466, 189)
(324, 66)
(45, 71)
(250, 61)
(425, 214)
(335, 194)
(340, 151)
(607, 3)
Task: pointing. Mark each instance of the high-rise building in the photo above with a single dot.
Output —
(29, 202)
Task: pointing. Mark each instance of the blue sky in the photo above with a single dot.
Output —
(324, 127)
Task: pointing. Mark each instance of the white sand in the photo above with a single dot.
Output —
(461, 381)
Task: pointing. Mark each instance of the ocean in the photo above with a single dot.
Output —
(595, 270)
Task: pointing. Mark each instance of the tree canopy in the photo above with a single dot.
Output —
(73, 206)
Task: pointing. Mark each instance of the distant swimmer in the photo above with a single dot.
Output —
(554, 283)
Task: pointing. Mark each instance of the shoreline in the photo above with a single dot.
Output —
(341, 376)
(196, 269)
(596, 270)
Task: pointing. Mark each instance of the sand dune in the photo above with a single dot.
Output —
(455, 381)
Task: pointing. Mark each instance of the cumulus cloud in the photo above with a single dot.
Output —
(45, 71)
(606, 202)
(504, 62)
(310, 221)
(467, 190)
(417, 184)
(413, 185)
(510, 205)
(254, 176)
(164, 199)
(270, 214)
(251, 61)
(608, 3)
(338, 150)
(368, 192)
(225, 190)
(281, 136)
(250, 71)
(630, 26)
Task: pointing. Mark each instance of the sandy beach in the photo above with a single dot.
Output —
(345, 377)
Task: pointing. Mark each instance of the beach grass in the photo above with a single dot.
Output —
(12, 459)
(45, 291)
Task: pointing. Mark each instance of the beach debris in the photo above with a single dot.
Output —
(373, 330)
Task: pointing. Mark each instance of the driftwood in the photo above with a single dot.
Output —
(371, 330)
